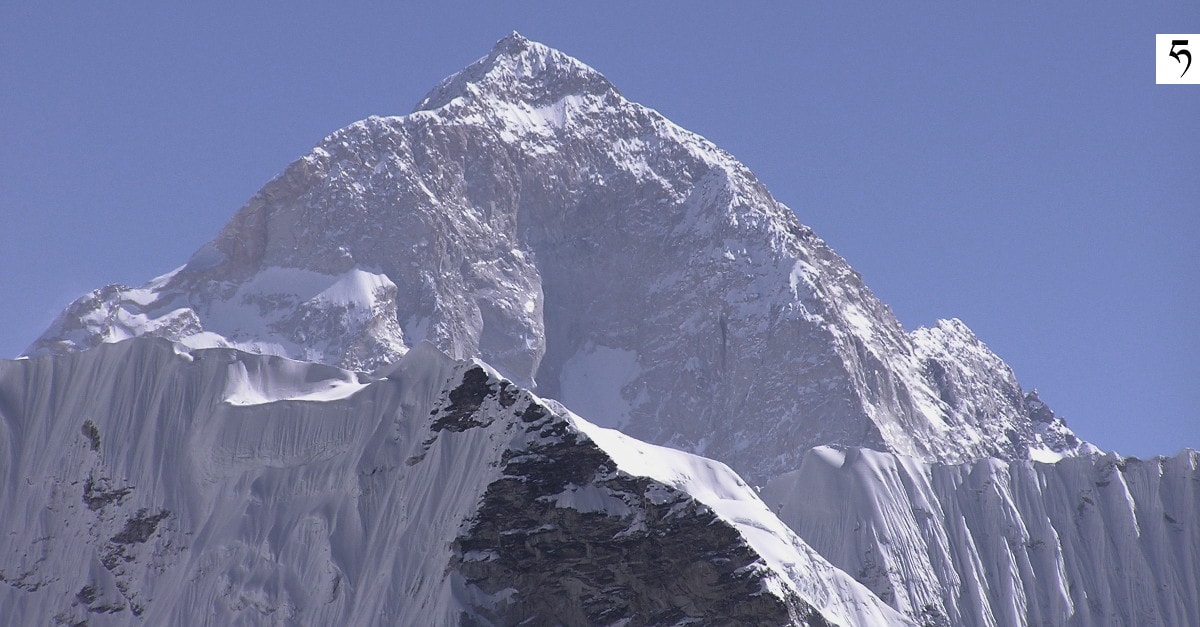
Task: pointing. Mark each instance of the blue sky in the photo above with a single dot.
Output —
(1012, 166)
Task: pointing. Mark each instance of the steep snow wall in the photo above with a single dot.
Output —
(1095, 540)
(145, 484)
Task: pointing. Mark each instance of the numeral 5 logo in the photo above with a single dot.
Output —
(1182, 52)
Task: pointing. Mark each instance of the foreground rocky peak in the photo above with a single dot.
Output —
(590, 249)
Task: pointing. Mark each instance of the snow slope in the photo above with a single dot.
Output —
(141, 488)
(1095, 540)
(589, 249)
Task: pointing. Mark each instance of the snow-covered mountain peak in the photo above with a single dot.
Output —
(589, 249)
(519, 70)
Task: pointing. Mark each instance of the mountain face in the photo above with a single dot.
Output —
(148, 485)
(351, 407)
(1096, 540)
(589, 249)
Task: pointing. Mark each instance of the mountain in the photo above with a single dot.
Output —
(1092, 540)
(523, 356)
(149, 485)
(527, 214)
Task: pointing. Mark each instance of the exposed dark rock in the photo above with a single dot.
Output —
(92, 434)
(139, 528)
(86, 595)
(465, 401)
(533, 413)
(508, 394)
(936, 373)
(98, 493)
(1058, 437)
(658, 558)
(114, 555)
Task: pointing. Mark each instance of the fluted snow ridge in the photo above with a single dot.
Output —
(146, 484)
(1091, 540)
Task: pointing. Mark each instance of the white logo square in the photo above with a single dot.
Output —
(1177, 59)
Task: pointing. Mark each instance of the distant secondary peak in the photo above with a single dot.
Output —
(519, 70)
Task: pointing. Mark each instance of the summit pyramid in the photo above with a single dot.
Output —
(526, 213)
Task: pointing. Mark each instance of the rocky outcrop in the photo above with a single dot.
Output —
(646, 554)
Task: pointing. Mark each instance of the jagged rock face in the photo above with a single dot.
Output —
(145, 485)
(981, 390)
(1093, 540)
(582, 565)
(528, 214)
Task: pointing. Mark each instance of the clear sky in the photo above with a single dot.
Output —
(1010, 164)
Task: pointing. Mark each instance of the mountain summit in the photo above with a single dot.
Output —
(519, 71)
(589, 249)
